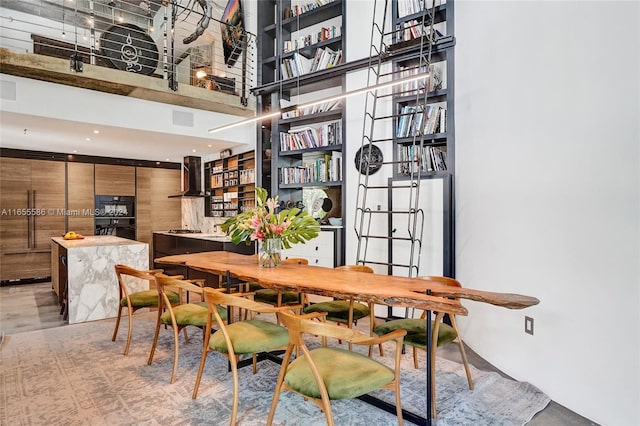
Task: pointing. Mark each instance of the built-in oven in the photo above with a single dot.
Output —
(116, 215)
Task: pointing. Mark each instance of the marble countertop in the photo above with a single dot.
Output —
(198, 236)
(94, 240)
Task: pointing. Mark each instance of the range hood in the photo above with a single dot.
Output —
(191, 178)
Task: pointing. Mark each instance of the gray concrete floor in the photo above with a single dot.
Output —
(27, 307)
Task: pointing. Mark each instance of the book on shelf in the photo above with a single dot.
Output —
(325, 33)
(414, 29)
(314, 109)
(298, 65)
(434, 81)
(317, 169)
(442, 127)
(409, 7)
(415, 121)
(414, 159)
(335, 166)
(310, 137)
(305, 7)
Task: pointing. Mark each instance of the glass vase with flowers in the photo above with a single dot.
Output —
(273, 228)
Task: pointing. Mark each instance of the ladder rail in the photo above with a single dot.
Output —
(412, 225)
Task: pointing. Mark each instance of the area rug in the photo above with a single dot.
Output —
(75, 375)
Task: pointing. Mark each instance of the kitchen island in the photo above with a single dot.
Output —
(172, 242)
(89, 274)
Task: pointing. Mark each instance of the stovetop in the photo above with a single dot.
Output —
(184, 231)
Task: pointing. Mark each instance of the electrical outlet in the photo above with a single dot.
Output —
(528, 325)
(379, 207)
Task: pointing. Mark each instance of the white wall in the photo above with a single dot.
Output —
(548, 194)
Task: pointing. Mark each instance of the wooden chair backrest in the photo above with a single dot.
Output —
(176, 283)
(451, 282)
(357, 268)
(441, 280)
(217, 297)
(125, 270)
(298, 326)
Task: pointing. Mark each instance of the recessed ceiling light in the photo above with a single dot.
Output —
(75, 150)
(193, 150)
(96, 131)
(166, 159)
(87, 139)
(209, 145)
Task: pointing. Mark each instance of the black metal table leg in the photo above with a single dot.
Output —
(429, 373)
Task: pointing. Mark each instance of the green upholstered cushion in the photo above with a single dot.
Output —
(346, 374)
(251, 336)
(191, 314)
(141, 299)
(338, 310)
(254, 286)
(416, 331)
(267, 295)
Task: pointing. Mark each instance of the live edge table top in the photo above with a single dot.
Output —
(381, 289)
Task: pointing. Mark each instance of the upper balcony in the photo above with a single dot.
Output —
(148, 49)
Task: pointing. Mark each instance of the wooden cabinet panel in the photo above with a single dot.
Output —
(166, 213)
(15, 187)
(48, 185)
(32, 198)
(144, 227)
(115, 180)
(80, 198)
(155, 211)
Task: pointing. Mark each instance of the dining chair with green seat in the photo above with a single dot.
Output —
(181, 315)
(135, 300)
(346, 311)
(442, 334)
(328, 373)
(245, 337)
(280, 298)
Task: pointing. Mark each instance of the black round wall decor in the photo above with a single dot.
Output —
(368, 159)
(128, 48)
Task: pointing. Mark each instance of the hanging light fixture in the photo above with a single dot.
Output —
(324, 100)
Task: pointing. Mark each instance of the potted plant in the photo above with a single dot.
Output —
(271, 227)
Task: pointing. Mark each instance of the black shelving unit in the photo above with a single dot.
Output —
(406, 55)
(235, 175)
(278, 27)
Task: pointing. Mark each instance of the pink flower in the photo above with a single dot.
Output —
(271, 204)
(255, 223)
(277, 229)
(258, 235)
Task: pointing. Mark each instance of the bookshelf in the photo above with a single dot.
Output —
(426, 113)
(230, 185)
(300, 52)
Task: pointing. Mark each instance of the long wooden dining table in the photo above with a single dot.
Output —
(387, 290)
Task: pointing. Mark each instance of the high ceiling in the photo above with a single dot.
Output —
(24, 131)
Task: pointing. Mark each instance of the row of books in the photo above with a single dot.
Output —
(433, 82)
(314, 109)
(296, 10)
(325, 33)
(414, 29)
(409, 7)
(416, 121)
(325, 169)
(413, 159)
(310, 137)
(298, 65)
